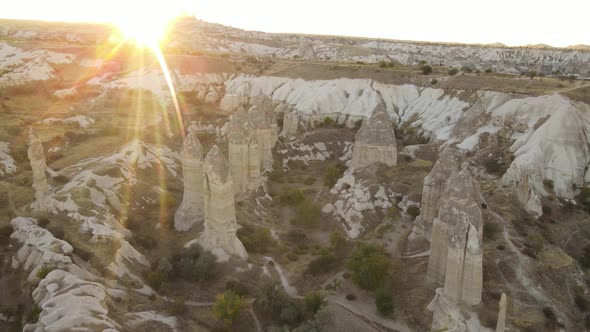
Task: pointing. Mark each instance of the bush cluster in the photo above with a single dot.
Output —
(370, 266)
(193, 264)
(256, 239)
(333, 173)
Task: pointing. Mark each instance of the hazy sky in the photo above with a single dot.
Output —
(512, 22)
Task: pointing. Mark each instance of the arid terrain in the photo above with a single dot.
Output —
(277, 182)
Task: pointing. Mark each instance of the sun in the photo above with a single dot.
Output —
(146, 23)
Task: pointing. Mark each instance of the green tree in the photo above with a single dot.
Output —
(384, 302)
(314, 301)
(370, 266)
(426, 69)
(228, 306)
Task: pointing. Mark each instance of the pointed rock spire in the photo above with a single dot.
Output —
(190, 212)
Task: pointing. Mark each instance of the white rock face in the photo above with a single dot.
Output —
(70, 298)
(435, 184)
(219, 235)
(69, 303)
(36, 154)
(6, 160)
(82, 120)
(290, 125)
(375, 141)
(461, 238)
(501, 323)
(38, 247)
(190, 212)
(502, 59)
(264, 136)
(244, 156)
(212, 97)
(22, 66)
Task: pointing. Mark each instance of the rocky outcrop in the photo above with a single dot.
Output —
(70, 297)
(434, 186)
(528, 197)
(290, 125)
(264, 104)
(501, 323)
(244, 157)
(375, 141)
(212, 97)
(190, 212)
(231, 101)
(456, 259)
(219, 235)
(36, 154)
(458, 231)
(264, 136)
(514, 60)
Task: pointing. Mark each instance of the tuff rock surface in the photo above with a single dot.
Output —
(219, 235)
(36, 155)
(375, 141)
(190, 212)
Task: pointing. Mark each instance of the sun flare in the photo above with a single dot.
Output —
(147, 24)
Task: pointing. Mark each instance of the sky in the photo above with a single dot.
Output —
(512, 22)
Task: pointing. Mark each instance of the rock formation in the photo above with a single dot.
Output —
(375, 140)
(219, 235)
(36, 154)
(290, 124)
(212, 97)
(527, 195)
(264, 136)
(501, 324)
(264, 105)
(231, 101)
(434, 186)
(190, 212)
(243, 153)
(458, 231)
(456, 259)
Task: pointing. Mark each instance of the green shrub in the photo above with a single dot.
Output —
(350, 297)
(413, 211)
(272, 299)
(369, 265)
(256, 239)
(322, 265)
(200, 269)
(33, 315)
(44, 271)
(536, 241)
(328, 121)
(290, 314)
(179, 307)
(314, 301)
(307, 214)
(453, 71)
(489, 71)
(337, 242)
(155, 279)
(581, 302)
(491, 230)
(548, 184)
(433, 81)
(384, 302)
(426, 69)
(333, 173)
(309, 180)
(228, 306)
(293, 197)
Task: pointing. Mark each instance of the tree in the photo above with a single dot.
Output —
(426, 69)
(228, 306)
(369, 265)
(314, 301)
(384, 302)
(453, 71)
